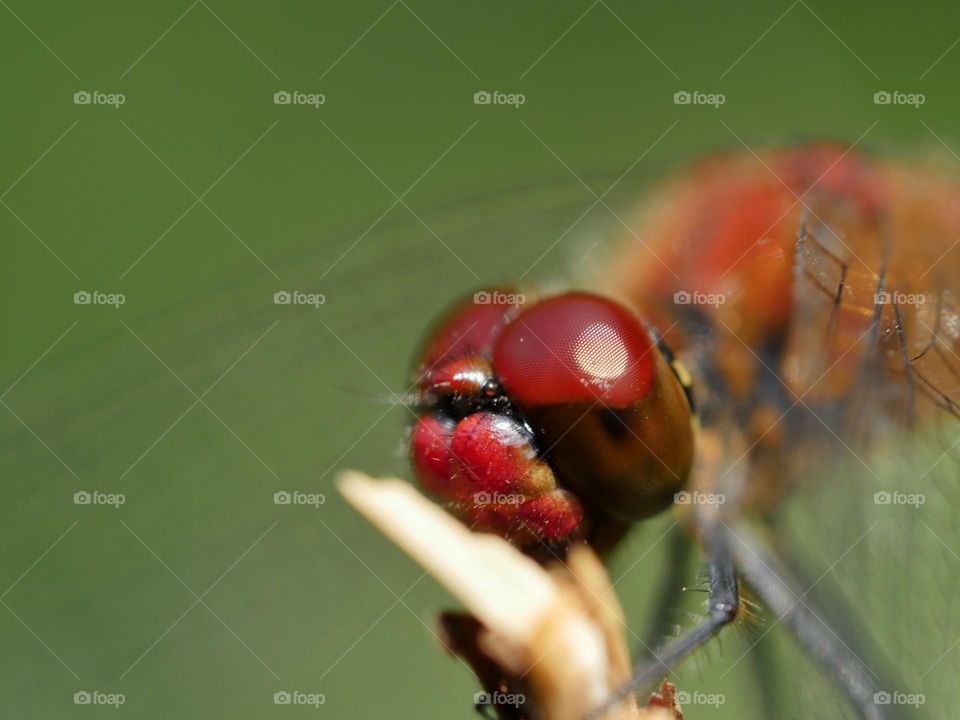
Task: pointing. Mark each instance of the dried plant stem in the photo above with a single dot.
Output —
(558, 632)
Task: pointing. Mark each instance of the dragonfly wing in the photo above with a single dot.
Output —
(873, 517)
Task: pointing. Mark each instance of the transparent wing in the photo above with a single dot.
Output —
(873, 524)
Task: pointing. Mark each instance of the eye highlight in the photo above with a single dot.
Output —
(600, 352)
(575, 348)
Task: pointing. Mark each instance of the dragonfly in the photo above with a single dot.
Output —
(881, 575)
(761, 321)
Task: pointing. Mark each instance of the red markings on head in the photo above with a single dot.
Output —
(495, 453)
(488, 470)
(552, 515)
(430, 451)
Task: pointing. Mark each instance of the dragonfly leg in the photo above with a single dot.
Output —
(840, 663)
(724, 602)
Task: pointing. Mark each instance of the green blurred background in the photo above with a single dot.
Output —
(199, 398)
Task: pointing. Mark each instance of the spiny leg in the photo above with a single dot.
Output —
(724, 602)
(839, 662)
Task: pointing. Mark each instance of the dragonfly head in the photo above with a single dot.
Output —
(538, 417)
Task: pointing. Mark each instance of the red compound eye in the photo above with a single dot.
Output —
(470, 327)
(575, 348)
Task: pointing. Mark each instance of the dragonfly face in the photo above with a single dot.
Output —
(539, 422)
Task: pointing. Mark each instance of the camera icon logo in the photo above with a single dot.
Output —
(82, 97)
(82, 698)
(82, 297)
(282, 697)
(82, 497)
(882, 497)
(282, 97)
(282, 497)
(482, 698)
(882, 97)
(682, 298)
(882, 298)
(482, 97)
(282, 297)
(482, 298)
(882, 698)
(682, 97)
(682, 498)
